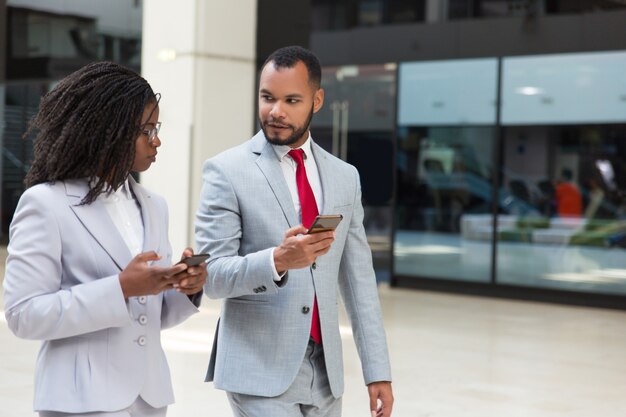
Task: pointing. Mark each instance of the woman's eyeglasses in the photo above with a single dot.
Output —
(151, 133)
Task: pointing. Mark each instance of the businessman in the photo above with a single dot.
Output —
(277, 349)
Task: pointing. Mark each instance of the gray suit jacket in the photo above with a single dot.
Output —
(263, 332)
(61, 286)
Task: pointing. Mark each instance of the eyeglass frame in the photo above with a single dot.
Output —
(152, 133)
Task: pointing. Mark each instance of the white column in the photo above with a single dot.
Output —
(200, 55)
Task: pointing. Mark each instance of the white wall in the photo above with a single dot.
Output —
(207, 92)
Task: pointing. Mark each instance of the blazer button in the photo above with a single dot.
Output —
(141, 341)
(305, 310)
(142, 299)
(143, 319)
(314, 265)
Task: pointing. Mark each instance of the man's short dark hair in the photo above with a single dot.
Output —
(289, 56)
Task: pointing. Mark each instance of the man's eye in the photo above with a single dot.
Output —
(267, 98)
(293, 101)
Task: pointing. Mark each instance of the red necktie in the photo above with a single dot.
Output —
(309, 211)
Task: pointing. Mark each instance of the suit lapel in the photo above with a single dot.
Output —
(95, 218)
(325, 169)
(269, 165)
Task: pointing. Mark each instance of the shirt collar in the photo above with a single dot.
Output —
(123, 192)
(283, 150)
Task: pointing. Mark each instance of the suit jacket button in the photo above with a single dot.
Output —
(314, 265)
(141, 341)
(305, 310)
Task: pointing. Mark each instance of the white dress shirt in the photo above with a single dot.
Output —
(125, 213)
(289, 166)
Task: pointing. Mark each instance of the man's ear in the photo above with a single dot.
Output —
(318, 100)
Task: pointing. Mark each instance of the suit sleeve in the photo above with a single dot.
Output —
(37, 305)
(357, 284)
(218, 232)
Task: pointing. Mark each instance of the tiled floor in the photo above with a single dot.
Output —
(451, 356)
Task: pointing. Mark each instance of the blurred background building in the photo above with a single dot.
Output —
(490, 135)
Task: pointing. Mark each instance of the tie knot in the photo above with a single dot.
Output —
(297, 155)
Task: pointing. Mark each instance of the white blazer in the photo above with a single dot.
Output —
(61, 286)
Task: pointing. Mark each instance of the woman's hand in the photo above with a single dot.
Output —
(191, 280)
(141, 278)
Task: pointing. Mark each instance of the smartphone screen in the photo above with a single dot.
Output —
(325, 223)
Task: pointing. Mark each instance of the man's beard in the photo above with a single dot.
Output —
(295, 136)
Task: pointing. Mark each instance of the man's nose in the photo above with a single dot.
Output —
(277, 111)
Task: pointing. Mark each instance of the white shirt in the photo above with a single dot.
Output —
(125, 212)
(289, 166)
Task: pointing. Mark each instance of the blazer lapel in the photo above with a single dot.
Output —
(151, 229)
(329, 185)
(96, 220)
(269, 165)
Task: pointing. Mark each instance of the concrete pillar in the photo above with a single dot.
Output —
(200, 55)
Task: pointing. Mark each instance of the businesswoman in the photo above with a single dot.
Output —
(89, 270)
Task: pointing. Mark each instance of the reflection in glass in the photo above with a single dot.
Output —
(356, 124)
(346, 14)
(455, 92)
(44, 44)
(444, 203)
(568, 228)
(20, 105)
(564, 88)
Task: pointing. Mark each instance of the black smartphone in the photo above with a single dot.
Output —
(196, 259)
(325, 223)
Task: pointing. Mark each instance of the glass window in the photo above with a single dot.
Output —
(44, 44)
(467, 9)
(564, 208)
(581, 6)
(346, 14)
(443, 210)
(357, 124)
(20, 105)
(448, 92)
(464, 9)
(444, 169)
(565, 88)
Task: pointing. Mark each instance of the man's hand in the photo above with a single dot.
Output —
(299, 250)
(191, 280)
(141, 278)
(380, 391)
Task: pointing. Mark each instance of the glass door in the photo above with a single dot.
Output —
(357, 125)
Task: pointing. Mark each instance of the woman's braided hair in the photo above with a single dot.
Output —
(87, 127)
